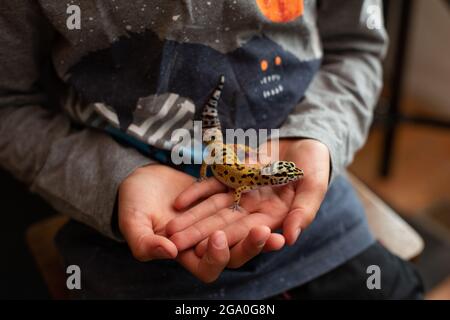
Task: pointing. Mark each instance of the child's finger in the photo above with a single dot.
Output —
(200, 248)
(239, 229)
(204, 209)
(145, 245)
(197, 191)
(205, 227)
(250, 247)
(307, 201)
(211, 265)
(275, 242)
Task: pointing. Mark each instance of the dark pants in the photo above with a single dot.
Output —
(399, 279)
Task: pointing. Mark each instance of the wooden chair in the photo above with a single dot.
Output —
(387, 226)
(391, 230)
(40, 239)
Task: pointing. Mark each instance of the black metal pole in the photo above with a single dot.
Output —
(396, 87)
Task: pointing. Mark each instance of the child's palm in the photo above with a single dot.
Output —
(146, 205)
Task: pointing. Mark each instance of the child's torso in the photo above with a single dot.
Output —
(148, 66)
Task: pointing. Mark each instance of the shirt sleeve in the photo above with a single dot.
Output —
(78, 171)
(338, 106)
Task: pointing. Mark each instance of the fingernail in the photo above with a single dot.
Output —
(161, 253)
(297, 233)
(219, 241)
(260, 243)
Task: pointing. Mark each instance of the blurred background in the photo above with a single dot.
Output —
(406, 160)
(405, 163)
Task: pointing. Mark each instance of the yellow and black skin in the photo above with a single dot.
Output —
(224, 161)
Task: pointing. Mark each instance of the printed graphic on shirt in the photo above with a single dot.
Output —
(281, 10)
(149, 87)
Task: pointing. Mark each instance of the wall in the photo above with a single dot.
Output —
(428, 64)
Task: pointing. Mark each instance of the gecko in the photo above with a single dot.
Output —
(225, 163)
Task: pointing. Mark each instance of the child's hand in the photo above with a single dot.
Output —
(146, 205)
(314, 158)
(262, 207)
(292, 206)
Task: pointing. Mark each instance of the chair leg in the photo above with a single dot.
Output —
(396, 86)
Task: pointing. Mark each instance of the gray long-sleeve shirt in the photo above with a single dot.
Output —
(311, 69)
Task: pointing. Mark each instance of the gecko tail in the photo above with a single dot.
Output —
(210, 115)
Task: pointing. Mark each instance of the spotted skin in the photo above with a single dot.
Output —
(225, 164)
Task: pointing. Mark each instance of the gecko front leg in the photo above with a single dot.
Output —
(203, 172)
(237, 196)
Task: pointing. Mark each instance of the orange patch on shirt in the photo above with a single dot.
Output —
(281, 10)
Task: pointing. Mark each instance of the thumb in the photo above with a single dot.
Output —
(144, 244)
(149, 246)
(211, 265)
(307, 201)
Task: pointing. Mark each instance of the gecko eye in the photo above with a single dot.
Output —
(213, 137)
(264, 65)
(278, 61)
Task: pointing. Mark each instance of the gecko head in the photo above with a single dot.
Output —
(282, 171)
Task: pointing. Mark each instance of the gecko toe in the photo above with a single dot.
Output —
(235, 207)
